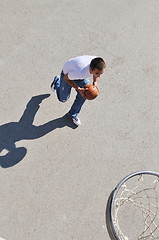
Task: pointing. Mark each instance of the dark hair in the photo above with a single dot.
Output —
(97, 63)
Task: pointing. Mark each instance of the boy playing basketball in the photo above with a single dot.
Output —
(75, 74)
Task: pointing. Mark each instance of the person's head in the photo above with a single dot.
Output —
(97, 66)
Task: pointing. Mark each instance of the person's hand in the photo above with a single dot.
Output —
(81, 91)
(95, 84)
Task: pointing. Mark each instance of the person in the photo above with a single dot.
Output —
(75, 74)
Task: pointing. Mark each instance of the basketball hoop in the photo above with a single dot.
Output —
(132, 211)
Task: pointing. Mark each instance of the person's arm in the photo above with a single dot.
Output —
(95, 82)
(74, 85)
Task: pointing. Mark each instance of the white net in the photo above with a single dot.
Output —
(135, 211)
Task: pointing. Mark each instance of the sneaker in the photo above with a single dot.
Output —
(53, 83)
(76, 121)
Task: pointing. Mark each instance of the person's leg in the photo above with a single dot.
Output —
(63, 90)
(79, 101)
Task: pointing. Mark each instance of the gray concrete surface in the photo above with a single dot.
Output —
(55, 181)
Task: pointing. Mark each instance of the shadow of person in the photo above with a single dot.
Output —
(12, 132)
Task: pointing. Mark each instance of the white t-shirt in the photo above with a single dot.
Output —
(78, 67)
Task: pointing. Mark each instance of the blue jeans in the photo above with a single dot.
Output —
(63, 91)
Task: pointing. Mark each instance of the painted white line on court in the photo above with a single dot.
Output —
(2, 238)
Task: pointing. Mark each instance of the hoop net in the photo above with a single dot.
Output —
(136, 209)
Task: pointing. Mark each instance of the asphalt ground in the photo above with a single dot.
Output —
(55, 179)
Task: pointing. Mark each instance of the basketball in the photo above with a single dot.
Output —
(91, 93)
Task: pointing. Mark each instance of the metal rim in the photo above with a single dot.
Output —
(109, 208)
